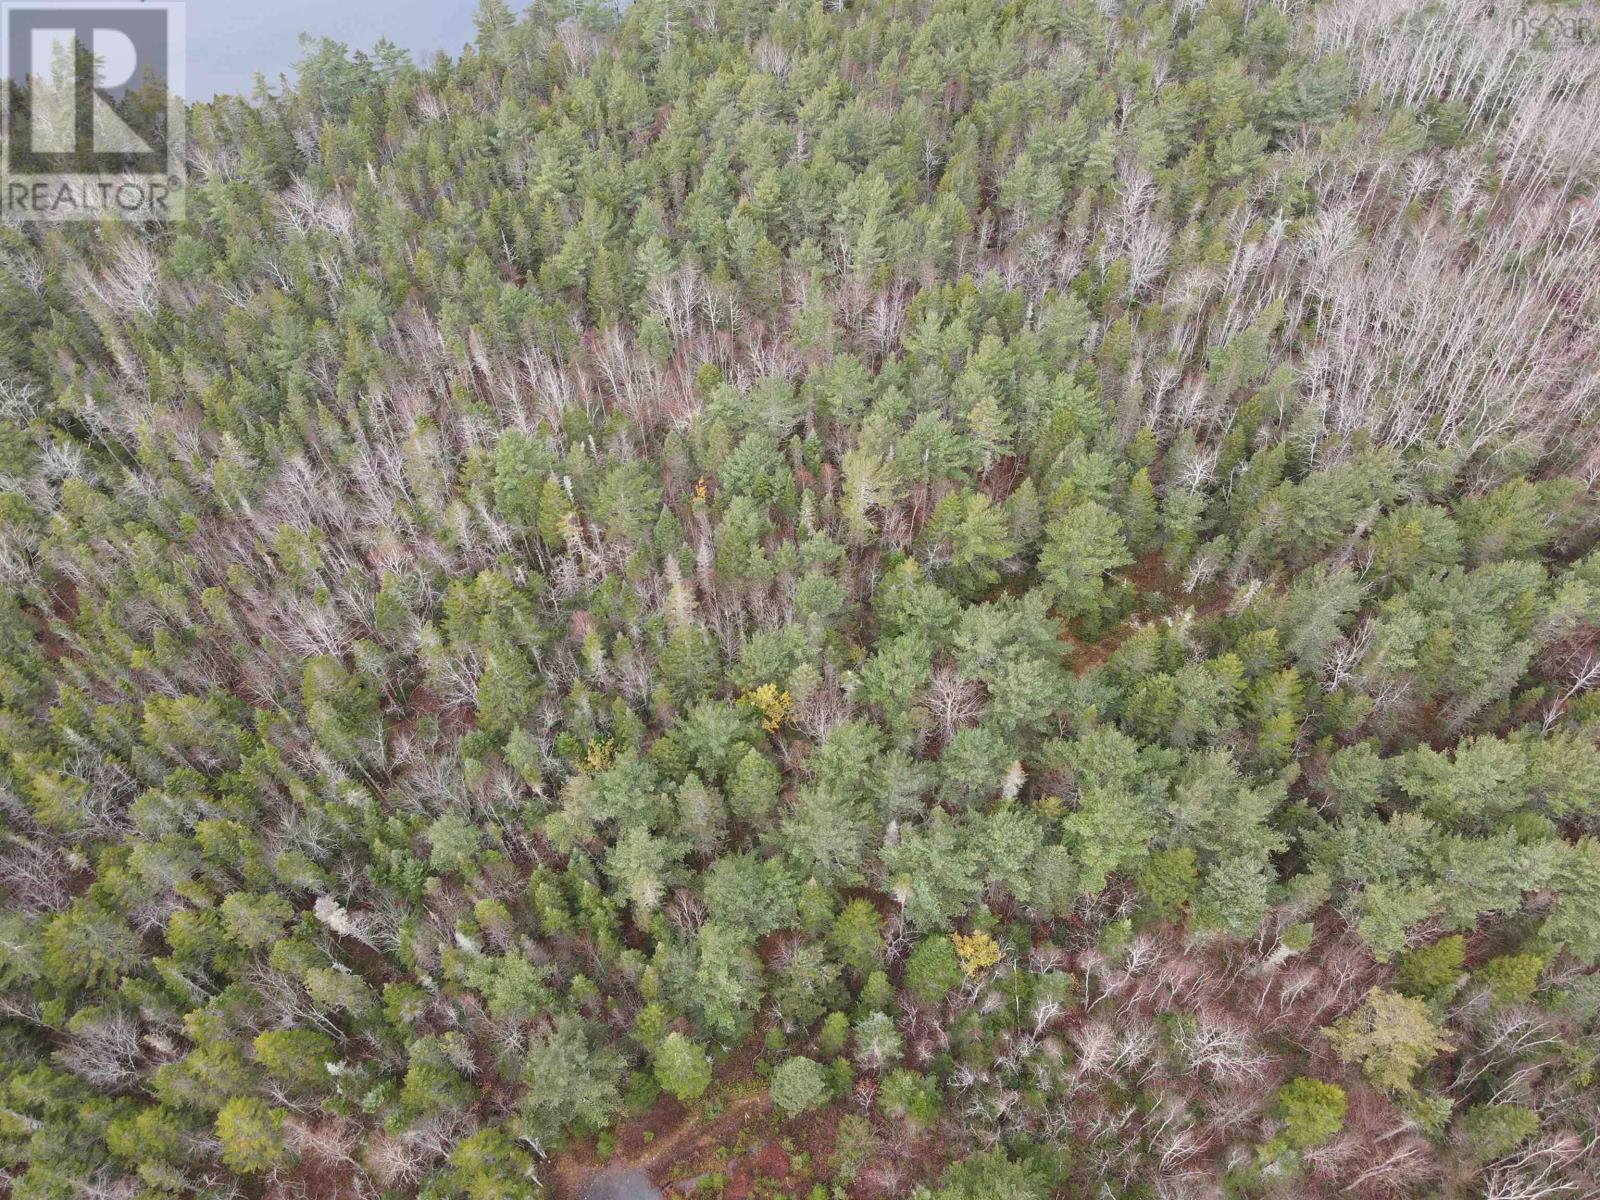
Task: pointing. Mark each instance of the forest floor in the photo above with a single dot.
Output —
(1150, 578)
(731, 1144)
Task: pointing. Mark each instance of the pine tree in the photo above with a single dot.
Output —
(1140, 513)
(682, 1068)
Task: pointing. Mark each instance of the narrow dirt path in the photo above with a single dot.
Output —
(572, 1170)
(691, 1137)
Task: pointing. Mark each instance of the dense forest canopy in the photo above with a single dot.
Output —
(1002, 596)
